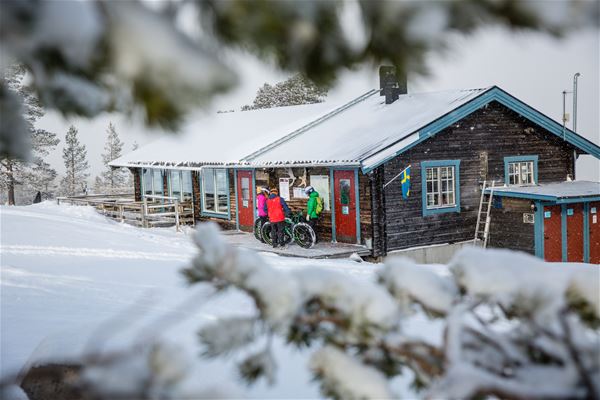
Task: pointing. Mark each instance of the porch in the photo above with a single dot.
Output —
(324, 249)
(152, 211)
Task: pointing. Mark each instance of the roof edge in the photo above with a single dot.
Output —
(494, 93)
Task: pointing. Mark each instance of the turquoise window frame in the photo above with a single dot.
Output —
(508, 160)
(214, 214)
(440, 163)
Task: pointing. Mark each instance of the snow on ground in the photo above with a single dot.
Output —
(67, 274)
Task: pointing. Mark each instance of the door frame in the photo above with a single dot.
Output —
(332, 200)
(252, 193)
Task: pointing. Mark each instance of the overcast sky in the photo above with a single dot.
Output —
(531, 66)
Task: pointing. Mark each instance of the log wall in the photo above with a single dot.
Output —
(507, 229)
(480, 141)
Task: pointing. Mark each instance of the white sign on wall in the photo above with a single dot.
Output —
(299, 193)
(284, 188)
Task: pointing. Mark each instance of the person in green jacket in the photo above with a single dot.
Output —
(311, 209)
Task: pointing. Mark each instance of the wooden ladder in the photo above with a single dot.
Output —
(483, 234)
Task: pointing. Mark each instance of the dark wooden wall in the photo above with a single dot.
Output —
(480, 141)
(366, 211)
(507, 229)
(137, 183)
(378, 213)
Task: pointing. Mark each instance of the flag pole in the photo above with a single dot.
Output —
(396, 177)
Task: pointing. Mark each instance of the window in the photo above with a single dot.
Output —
(157, 182)
(520, 170)
(180, 185)
(321, 185)
(186, 185)
(147, 181)
(245, 191)
(152, 182)
(215, 192)
(175, 184)
(440, 186)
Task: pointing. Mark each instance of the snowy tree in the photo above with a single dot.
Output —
(89, 57)
(113, 179)
(32, 174)
(291, 92)
(76, 164)
(510, 320)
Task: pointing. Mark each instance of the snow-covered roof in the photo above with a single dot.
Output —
(225, 138)
(364, 132)
(367, 131)
(552, 191)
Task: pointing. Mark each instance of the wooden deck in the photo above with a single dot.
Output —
(320, 250)
(152, 211)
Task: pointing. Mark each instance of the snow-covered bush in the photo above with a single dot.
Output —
(510, 322)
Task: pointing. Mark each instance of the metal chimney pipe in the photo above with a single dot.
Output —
(577, 75)
(564, 117)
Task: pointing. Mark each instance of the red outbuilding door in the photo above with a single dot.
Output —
(575, 232)
(245, 200)
(594, 226)
(345, 206)
(552, 233)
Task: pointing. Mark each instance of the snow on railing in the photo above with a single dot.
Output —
(152, 211)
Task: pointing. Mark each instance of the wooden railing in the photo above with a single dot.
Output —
(152, 211)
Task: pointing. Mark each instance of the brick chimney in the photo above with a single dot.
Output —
(390, 84)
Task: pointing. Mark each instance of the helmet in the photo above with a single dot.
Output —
(262, 189)
(309, 189)
(274, 191)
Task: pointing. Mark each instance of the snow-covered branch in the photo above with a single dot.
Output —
(510, 320)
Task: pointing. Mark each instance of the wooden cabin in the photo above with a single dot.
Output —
(353, 153)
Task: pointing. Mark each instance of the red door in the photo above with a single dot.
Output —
(575, 232)
(345, 206)
(245, 200)
(552, 234)
(594, 226)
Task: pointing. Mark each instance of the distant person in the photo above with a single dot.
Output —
(277, 209)
(314, 207)
(38, 198)
(261, 204)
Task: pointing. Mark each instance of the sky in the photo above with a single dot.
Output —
(535, 68)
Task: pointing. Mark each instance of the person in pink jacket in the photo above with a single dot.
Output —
(261, 204)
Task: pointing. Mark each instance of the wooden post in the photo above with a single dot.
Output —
(121, 212)
(144, 213)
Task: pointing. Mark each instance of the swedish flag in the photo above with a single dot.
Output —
(405, 181)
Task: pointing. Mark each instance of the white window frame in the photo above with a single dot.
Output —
(216, 211)
(437, 183)
(515, 173)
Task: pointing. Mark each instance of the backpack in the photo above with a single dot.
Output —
(319, 206)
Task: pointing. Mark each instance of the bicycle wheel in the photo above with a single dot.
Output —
(304, 235)
(258, 230)
(266, 233)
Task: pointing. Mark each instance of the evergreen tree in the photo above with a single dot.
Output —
(113, 179)
(291, 92)
(76, 164)
(20, 178)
